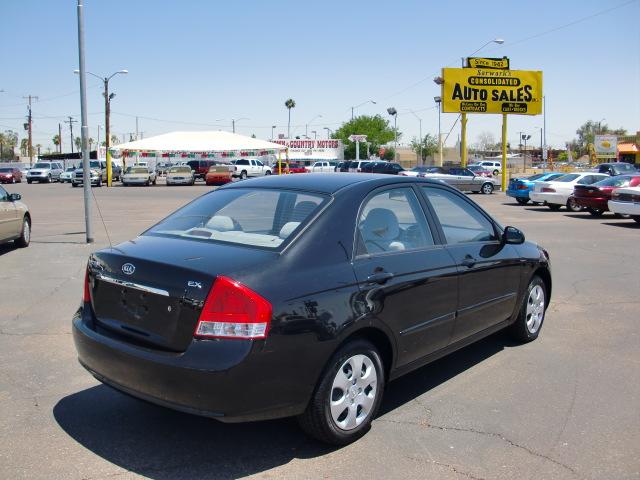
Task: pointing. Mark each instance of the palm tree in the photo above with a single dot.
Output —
(290, 103)
(78, 142)
(56, 142)
(24, 146)
(91, 142)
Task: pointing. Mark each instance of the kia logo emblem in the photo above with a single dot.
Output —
(128, 268)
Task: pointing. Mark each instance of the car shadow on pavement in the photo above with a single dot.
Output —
(628, 224)
(7, 248)
(410, 386)
(163, 444)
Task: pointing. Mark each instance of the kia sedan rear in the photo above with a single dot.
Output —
(303, 295)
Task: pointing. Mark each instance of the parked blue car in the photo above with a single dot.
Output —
(519, 188)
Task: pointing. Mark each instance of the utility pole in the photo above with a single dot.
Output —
(30, 120)
(60, 137)
(71, 121)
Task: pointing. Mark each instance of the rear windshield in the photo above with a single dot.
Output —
(624, 167)
(567, 178)
(619, 181)
(180, 170)
(554, 176)
(252, 217)
(536, 177)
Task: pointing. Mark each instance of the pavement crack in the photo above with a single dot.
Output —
(453, 468)
(445, 428)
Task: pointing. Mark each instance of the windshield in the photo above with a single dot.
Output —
(70, 169)
(94, 164)
(6, 170)
(180, 170)
(139, 170)
(624, 167)
(42, 165)
(567, 178)
(252, 217)
(619, 181)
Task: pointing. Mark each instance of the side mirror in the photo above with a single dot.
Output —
(512, 236)
(14, 197)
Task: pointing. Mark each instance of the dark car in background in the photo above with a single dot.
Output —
(220, 310)
(10, 175)
(200, 167)
(595, 197)
(617, 168)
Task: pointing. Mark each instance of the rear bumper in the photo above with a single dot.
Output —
(217, 180)
(518, 193)
(598, 203)
(624, 208)
(548, 197)
(231, 380)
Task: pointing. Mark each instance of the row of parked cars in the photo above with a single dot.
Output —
(612, 187)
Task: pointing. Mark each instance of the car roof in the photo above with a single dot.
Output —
(324, 182)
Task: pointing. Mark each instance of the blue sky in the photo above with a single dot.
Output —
(195, 65)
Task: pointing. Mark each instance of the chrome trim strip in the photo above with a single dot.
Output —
(486, 303)
(137, 286)
(420, 326)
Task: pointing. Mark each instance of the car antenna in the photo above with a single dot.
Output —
(102, 219)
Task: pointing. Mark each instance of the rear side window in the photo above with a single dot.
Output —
(242, 162)
(567, 178)
(392, 221)
(252, 217)
(460, 221)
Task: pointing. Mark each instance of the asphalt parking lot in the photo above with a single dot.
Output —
(564, 406)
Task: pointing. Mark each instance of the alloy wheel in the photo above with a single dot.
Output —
(353, 392)
(535, 309)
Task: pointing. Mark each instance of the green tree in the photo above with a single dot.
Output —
(78, 143)
(587, 132)
(8, 141)
(24, 146)
(56, 141)
(376, 128)
(290, 103)
(428, 147)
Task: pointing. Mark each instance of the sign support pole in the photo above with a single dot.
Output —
(504, 152)
(463, 145)
(357, 150)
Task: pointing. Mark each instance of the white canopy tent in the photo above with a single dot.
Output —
(217, 145)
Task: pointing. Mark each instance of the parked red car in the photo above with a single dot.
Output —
(10, 175)
(293, 168)
(480, 171)
(594, 197)
(218, 175)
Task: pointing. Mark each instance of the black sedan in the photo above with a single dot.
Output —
(303, 295)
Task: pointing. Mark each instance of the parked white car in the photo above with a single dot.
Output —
(559, 192)
(245, 168)
(45, 172)
(626, 201)
(356, 166)
(138, 176)
(494, 167)
(180, 175)
(322, 167)
(67, 175)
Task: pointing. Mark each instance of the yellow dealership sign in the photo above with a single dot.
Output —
(478, 90)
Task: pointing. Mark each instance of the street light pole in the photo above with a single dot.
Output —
(233, 123)
(438, 101)
(394, 113)
(421, 139)
(84, 129)
(329, 131)
(273, 127)
(363, 103)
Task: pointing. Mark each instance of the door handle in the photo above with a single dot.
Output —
(468, 261)
(380, 277)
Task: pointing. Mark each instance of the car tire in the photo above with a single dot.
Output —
(49, 179)
(243, 175)
(268, 172)
(25, 234)
(554, 207)
(99, 184)
(487, 188)
(360, 392)
(74, 185)
(636, 218)
(530, 318)
(29, 181)
(496, 172)
(596, 212)
(572, 206)
(522, 201)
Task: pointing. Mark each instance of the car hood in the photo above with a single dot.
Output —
(39, 170)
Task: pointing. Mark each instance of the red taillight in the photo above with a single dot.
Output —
(232, 310)
(548, 189)
(523, 187)
(86, 296)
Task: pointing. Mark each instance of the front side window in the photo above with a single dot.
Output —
(4, 196)
(252, 217)
(460, 221)
(392, 221)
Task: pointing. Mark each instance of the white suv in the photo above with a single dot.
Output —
(45, 172)
(244, 168)
(494, 167)
(322, 167)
